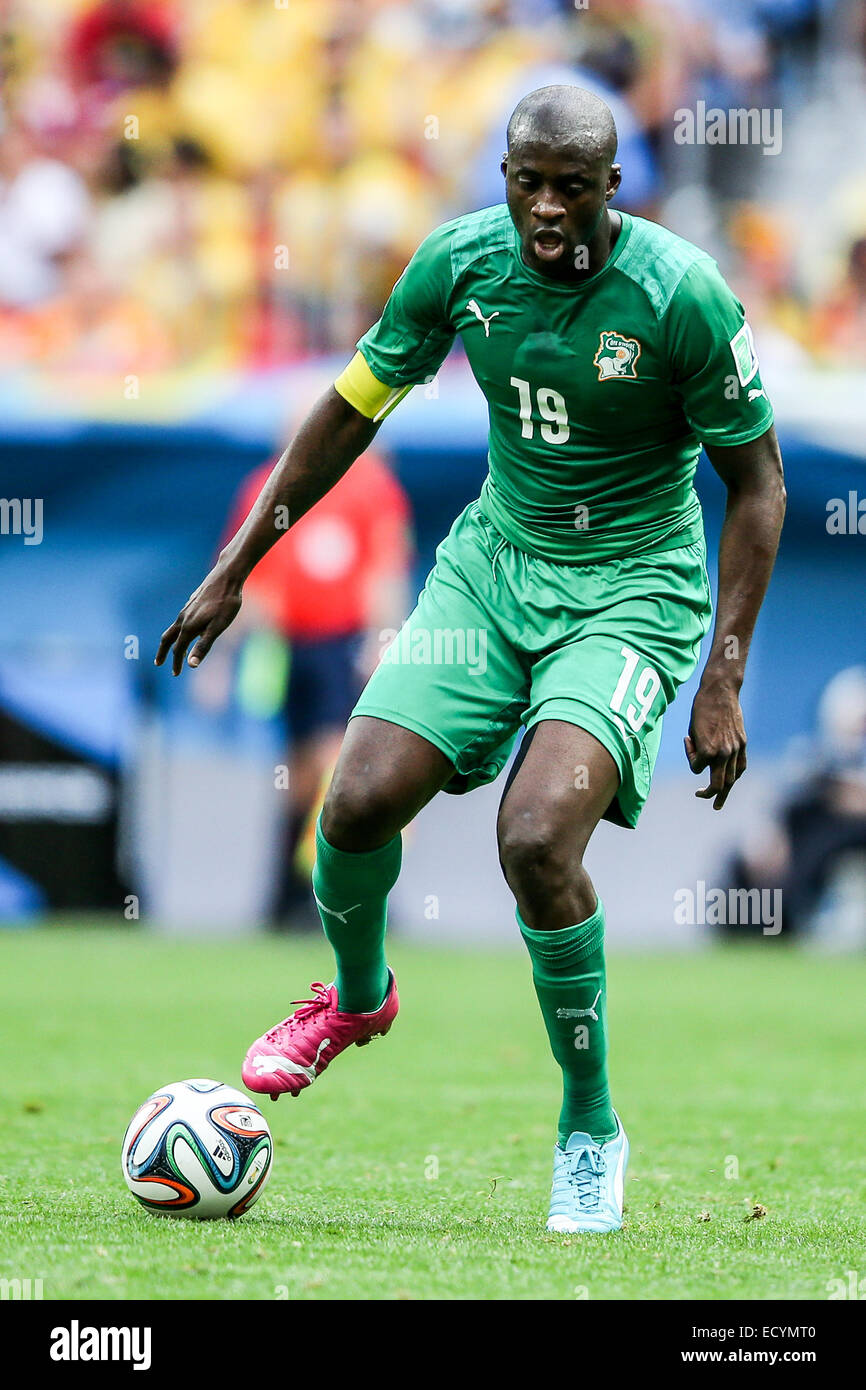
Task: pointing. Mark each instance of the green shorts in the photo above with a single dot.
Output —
(501, 638)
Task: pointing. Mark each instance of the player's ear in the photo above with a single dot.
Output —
(504, 165)
(614, 179)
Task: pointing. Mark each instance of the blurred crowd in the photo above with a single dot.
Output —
(812, 847)
(189, 183)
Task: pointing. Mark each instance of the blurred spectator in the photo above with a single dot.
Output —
(44, 216)
(815, 849)
(763, 277)
(119, 44)
(244, 181)
(840, 321)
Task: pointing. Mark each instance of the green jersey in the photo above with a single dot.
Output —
(599, 392)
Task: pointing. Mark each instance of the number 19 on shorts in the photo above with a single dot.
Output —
(647, 685)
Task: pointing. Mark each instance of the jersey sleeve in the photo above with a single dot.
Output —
(412, 338)
(370, 396)
(713, 361)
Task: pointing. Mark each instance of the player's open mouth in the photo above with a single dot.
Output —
(549, 245)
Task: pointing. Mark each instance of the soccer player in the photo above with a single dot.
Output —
(570, 598)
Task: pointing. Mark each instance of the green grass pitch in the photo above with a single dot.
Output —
(419, 1167)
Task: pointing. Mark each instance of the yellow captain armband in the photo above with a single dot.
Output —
(370, 396)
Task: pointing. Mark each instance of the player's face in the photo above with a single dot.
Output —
(556, 198)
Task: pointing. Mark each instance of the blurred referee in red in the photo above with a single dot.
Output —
(335, 588)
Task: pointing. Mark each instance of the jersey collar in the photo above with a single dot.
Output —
(579, 286)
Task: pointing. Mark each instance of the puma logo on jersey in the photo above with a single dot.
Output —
(616, 357)
(474, 306)
(755, 392)
(581, 1013)
(332, 911)
(266, 1064)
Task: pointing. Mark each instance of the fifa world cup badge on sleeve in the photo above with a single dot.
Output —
(745, 357)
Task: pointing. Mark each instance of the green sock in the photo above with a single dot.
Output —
(569, 977)
(352, 895)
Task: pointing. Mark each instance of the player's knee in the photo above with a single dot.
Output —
(358, 817)
(536, 847)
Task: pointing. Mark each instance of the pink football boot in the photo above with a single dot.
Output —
(296, 1051)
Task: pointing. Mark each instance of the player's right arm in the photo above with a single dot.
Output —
(406, 346)
(333, 435)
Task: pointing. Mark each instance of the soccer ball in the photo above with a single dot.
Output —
(197, 1148)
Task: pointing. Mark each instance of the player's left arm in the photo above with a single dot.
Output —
(752, 474)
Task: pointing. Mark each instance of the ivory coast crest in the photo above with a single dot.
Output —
(616, 357)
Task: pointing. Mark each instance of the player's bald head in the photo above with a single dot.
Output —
(564, 117)
(560, 176)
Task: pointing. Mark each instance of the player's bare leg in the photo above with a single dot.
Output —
(562, 783)
(560, 786)
(385, 774)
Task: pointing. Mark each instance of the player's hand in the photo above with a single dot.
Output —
(717, 740)
(206, 613)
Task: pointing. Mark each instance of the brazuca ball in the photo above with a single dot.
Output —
(197, 1148)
